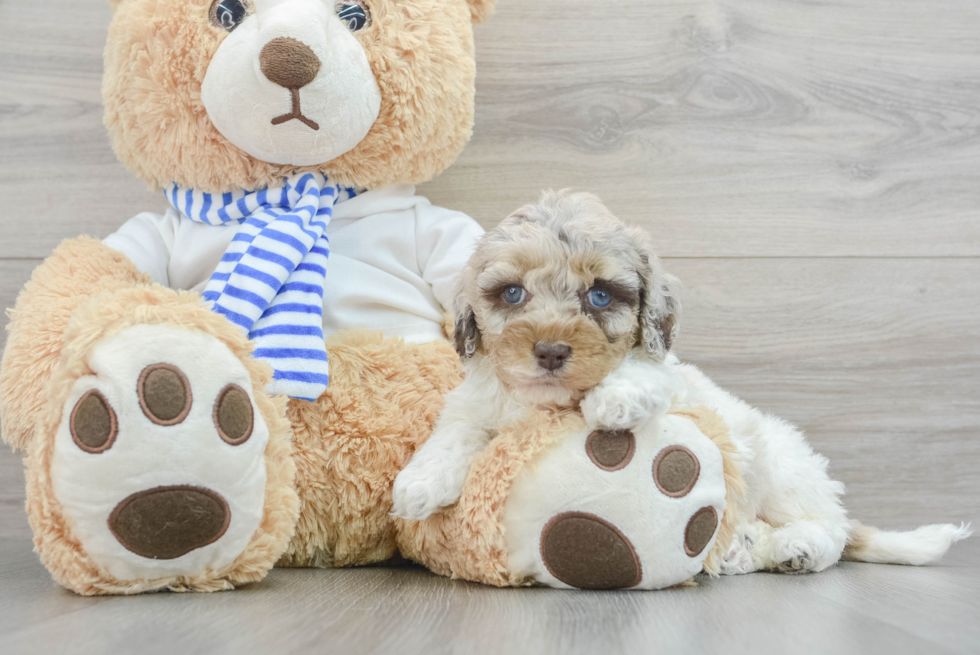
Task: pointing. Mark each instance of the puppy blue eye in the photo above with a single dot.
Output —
(354, 13)
(514, 295)
(599, 298)
(228, 14)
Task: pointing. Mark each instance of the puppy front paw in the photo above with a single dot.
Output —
(419, 491)
(620, 404)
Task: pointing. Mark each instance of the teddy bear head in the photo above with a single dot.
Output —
(220, 95)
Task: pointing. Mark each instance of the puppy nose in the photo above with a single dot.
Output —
(289, 63)
(551, 356)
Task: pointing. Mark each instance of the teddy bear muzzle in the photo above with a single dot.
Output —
(292, 65)
(299, 57)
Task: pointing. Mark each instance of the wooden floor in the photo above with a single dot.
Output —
(810, 170)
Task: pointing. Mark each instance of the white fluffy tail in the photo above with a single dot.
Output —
(916, 547)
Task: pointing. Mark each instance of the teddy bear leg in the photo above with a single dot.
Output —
(77, 270)
(382, 403)
(157, 459)
(553, 502)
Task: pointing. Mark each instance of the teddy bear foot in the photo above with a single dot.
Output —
(618, 509)
(158, 462)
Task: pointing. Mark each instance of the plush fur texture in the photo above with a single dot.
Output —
(481, 10)
(77, 270)
(119, 305)
(420, 51)
(384, 397)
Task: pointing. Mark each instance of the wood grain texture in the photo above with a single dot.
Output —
(810, 170)
(737, 127)
(730, 127)
(853, 608)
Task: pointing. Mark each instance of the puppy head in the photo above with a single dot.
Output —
(558, 294)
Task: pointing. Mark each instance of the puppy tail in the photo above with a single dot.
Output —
(920, 546)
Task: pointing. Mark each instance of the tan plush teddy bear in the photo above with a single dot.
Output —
(145, 377)
(237, 382)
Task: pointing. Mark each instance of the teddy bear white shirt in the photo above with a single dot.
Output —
(394, 259)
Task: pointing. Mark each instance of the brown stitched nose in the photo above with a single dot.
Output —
(551, 356)
(289, 63)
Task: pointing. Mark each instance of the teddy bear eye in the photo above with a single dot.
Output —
(354, 13)
(228, 14)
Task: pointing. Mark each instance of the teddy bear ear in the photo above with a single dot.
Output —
(481, 10)
(115, 4)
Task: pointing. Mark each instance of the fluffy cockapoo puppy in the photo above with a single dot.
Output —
(564, 305)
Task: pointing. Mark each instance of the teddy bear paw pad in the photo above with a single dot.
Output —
(617, 509)
(586, 552)
(611, 450)
(158, 461)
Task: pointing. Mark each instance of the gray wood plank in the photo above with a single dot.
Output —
(759, 128)
(878, 360)
(734, 127)
(56, 167)
(408, 611)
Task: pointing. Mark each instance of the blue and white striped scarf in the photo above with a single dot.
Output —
(270, 280)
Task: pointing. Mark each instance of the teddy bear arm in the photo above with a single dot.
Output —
(78, 270)
(444, 241)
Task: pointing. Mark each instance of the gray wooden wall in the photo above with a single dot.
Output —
(810, 170)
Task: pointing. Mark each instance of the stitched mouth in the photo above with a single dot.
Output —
(295, 114)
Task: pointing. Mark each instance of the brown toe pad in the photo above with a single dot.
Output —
(676, 471)
(611, 450)
(700, 529)
(164, 393)
(93, 424)
(233, 415)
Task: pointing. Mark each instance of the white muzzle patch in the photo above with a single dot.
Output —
(291, 85)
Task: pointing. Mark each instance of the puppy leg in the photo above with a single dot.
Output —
(799, 500)
(635, 391)
(435, 476)
(738, 559)
(789, 488)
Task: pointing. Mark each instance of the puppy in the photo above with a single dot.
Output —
(562, 304)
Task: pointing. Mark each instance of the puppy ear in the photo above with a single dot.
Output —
(481, 10)
(466, 333)
(114, 4)
(659, 306)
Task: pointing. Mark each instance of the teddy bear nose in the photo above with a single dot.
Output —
(289, 63)
(551, 356)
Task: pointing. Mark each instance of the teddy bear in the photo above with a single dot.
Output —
(235, 383)
(185, 355)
